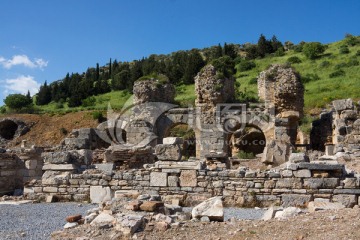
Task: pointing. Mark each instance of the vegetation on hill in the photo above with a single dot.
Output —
(328, 71)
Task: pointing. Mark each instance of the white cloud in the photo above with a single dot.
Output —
(23, 60)
(22, 84)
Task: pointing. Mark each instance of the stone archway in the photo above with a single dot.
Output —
(247, 142)
(8, 129)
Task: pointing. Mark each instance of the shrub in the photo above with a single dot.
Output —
(344, 49)
(310, 77)
(294, 59)
(340, 65)
(312, 50)
(246, 65)
(324, 64)
(357, 53)
(98, 116)
(351, 40)
(59, 105)
(337, 73)
(245, 155)
(63, 131)
(2, 109)
(88, 102)
(299, 47)
(353, 62)
(17, 101)
(253, 81)
(280, 52)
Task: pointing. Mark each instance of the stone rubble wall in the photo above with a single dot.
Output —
(153, 90)
(18, 168)
(295, 186)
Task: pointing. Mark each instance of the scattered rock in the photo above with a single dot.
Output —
(73, 218)
(212, 208)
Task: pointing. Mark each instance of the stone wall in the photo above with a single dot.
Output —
(9, 164)
(295, 185)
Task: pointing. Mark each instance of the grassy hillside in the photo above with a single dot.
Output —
(320, 88)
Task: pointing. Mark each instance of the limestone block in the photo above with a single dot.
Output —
(55, 178)
(188, 178)
(295, 200)
(100, 194)
(347, 200)
(129, 224)
(343, 104)
(50, 189)
(56, 157)
(59, 167)
(316, 183)
(158, 179)
(173, 181)
(31, 164)
(316, 206)
(103, 218)
(105, 167)
(212, 208)
(289, 183)
(151, 206)
(168, 152)
(173, 140)
(303, 173)
(298, 157)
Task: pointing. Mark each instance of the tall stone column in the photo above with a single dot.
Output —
(211, 88)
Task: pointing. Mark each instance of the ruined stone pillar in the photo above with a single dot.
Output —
(211, 88)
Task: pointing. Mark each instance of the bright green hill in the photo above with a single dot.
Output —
(320, 88)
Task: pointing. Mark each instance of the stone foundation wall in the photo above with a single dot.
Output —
(240, 188)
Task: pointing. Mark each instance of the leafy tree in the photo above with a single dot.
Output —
(193, 65)
(230, 50)
(276, 44)
(28, 96)
(17, 101)
(246, 65)
(224, 65)
(44, 95)
(313, 49)
(264, 46)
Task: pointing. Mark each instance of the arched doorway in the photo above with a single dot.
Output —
(181, 130)
(246, 143)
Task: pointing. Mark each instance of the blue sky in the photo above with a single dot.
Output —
(43, 40)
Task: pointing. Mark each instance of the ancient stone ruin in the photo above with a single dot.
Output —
(135, 153)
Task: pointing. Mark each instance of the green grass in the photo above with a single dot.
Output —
(321, 92)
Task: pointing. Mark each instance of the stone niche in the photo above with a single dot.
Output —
(153, 90)
(280, 86)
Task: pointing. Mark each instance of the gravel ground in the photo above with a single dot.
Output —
(36, 221)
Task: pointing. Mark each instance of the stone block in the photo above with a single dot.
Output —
(188, 178)
(158, 179)
(166, 152)
(286, 173)
(173, 181)
(343, 104)
(173, 140)
(50, 189)
(105, 167)
(316, 206)
(289, 183)
(31, 164)
(298, 157)
(317, 183)
(100, 194)
(350, 182)
(103, 218)
(211, 208)
(295, 200)
(126, 193)
(302, 173)
(56, 157)
(59, 167)
(347, 200)
(151, 206)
